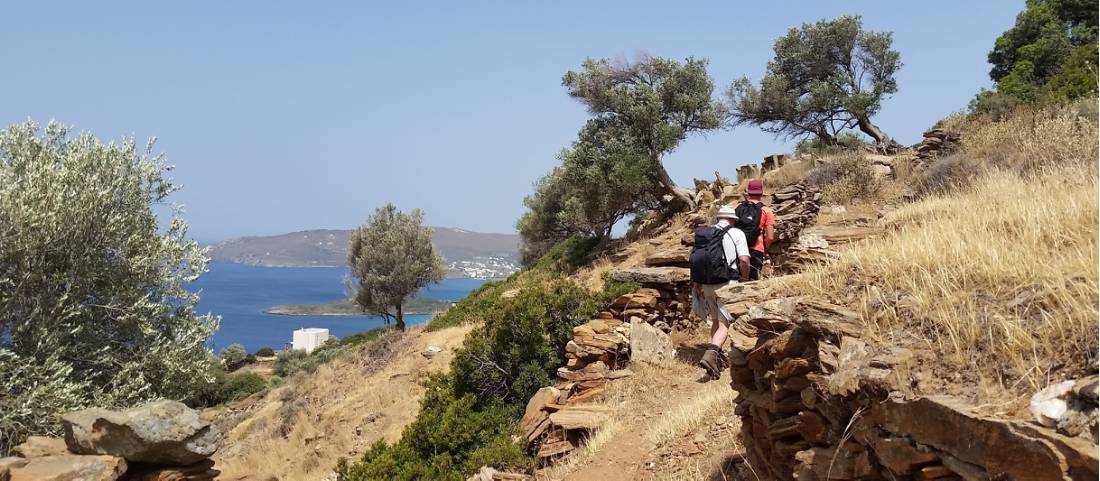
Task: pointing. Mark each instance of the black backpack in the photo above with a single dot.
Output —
(748, 220)
(708, 260)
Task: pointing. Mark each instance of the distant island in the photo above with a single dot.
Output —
(418, 305)
(472, 255)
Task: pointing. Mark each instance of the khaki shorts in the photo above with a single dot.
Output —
(709, 306)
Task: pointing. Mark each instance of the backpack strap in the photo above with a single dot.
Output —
(725, 232)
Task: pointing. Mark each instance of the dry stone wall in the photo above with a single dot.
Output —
(937, 142)
(818, 403)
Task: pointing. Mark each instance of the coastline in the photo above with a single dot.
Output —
(416, 306)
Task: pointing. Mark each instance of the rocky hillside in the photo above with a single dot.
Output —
(851, 361)
(468, 254)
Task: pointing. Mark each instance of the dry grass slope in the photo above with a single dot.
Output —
(1000, 275)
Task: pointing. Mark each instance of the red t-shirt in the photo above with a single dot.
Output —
(767, 217)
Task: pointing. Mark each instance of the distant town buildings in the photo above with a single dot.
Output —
(485, 267)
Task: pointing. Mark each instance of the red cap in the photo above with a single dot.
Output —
(756, 187)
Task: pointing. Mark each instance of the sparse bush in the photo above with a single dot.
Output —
(233, 356)
(241, 386)
(993, 105)
(844, 178)
(846, 141)
(291, 361)
(944, 174)
(94, 299)
(265, 352)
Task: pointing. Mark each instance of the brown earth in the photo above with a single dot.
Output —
(297, 431)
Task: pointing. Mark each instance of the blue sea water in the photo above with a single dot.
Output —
(241, 294)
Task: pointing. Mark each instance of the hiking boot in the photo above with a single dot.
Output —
(712, 362)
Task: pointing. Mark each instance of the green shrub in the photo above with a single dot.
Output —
(233, 356)
(844, 142)
(241, 386)
(291, 361)
(265, 352)
(468, 416)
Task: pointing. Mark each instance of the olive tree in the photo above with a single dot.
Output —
(391, 258)
(660, 101)
(826, 77)
(94, 305)
(233, 356)
(603, 177)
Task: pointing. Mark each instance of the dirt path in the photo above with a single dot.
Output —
(667, 425)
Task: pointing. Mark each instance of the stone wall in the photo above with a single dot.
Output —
(818, 403)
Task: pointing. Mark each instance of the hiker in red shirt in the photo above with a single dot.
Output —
(755, 194)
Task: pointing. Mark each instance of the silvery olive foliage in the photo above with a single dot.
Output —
(391, 258)
(94, 308)
(660, 101)
(826, 77)
(233, 356)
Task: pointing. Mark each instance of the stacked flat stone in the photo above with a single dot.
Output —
(818, 403)
(937, 142)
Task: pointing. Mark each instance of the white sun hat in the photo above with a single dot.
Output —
(727, 212)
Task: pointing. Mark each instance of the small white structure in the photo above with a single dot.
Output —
(309, 338)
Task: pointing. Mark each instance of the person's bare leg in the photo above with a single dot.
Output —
(719, 329)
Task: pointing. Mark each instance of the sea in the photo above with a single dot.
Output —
(241, 294)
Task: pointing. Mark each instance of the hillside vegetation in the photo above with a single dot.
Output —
(997, 272)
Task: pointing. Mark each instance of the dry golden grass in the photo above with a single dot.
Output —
(715, 399)
(792, 172)
(300, 429)
(1000, 275)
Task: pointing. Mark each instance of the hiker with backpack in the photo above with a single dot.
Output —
(757, 221)
(719, 257)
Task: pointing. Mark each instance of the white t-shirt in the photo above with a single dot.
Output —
(734, 244)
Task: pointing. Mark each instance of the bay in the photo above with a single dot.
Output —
(241, 294)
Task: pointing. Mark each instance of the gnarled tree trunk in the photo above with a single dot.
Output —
(885, 143)
(680, 195)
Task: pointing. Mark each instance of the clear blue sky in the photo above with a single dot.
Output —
(283, 116)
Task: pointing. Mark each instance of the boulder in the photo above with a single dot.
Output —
(38, 446)
(70, 467)
(648, 344)
(162, 432)
(652, 275)
(882, 171)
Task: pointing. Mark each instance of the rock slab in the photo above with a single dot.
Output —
(70, 467)
(38, 446)
(649, 344)
(652, 275)
(163, 432)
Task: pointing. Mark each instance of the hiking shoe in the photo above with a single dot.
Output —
(712, 362)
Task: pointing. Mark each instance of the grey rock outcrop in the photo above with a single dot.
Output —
(163, 432)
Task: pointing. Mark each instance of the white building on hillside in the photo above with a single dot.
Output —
(309, 338)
